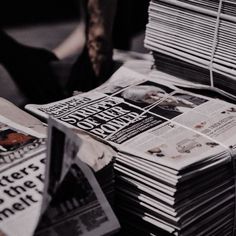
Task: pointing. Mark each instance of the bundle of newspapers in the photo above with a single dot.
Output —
(66, 199)
(175, 152)
(195, 40)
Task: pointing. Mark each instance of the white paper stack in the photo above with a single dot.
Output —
(190, 38)
(196, 200)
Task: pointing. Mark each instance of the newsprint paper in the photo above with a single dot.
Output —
(139, 114)
(67, 200)
(73, 202)
(22, 166)
(175, 151)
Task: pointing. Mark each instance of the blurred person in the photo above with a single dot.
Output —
(95, 62)
(31, 68)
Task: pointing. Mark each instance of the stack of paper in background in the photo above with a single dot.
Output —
(190, 38)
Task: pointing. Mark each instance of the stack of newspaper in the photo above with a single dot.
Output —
(184, 197)
(195, 40)
(174, 152)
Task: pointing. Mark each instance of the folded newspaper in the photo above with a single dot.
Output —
(73, 202)
(22, 165)
(175, 152)
(69, 197)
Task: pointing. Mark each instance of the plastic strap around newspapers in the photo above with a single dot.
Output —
(148, 108)
(231, 152)
(215, 40)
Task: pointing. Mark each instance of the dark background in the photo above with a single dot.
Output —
(20, 12)
(46, 23)
(131, 16)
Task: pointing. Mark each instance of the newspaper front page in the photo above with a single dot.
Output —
(156, 120)
(22, 166)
